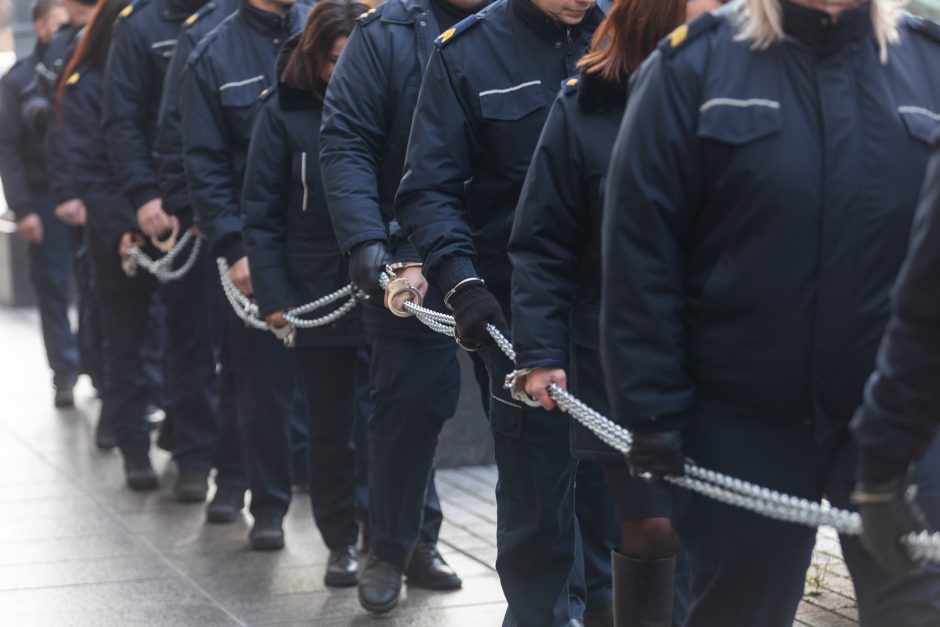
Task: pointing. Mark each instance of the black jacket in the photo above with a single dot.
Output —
(168, 145)
(556, 243)
(225, 75)
(365, 128)
(757, 212)
(902, 399)
(144, 38)
(110, 215)
(484, 99)
(48, 70)
(22, 164)
(289, 239)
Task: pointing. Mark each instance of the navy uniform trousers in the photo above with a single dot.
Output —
(750, 570)
(50, 271)
(552, 562)
(416, 384)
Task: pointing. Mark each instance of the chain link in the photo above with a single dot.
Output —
(162, 268)
(714, 485)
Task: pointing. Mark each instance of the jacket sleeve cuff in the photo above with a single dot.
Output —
(232, 248)
(141, 196)
(658, 424)
(454, 270)
(366, 236)
(542, 359)
(874, 467)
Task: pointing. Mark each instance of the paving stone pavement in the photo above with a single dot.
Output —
(77, 548)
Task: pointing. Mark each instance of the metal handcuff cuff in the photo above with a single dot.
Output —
(399, 285)
(515, 383)
(165, 245)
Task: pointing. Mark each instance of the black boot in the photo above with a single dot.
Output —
(105, 438)
(64, 398)
(379, 585)
(643, 591)
(191, 485)
(427, 569)
(226, 505)
(267, 534)
(139, 472)
(342, 569)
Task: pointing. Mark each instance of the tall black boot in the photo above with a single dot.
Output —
(643, 591)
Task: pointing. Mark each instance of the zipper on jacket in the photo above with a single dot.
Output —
(303, 179)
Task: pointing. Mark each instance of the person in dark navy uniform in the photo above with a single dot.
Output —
(758, 206)
(224, 77)
(26, 187)
(295, 260)
(124, 302)
(367, 115)
(555, 254)
(203, 432)
(899, 419)
(483, 101)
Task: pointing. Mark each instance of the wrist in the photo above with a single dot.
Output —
(452, 271)
(876, 469)
(462, 287)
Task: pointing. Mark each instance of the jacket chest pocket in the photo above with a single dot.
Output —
(239, 99)
(513, 103)
(163, 50)
(738, 122)
(921, 123)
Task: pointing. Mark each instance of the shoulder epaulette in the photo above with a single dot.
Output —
(923, 26)
(267, 92)
(73, 79)
(367, 16)
(679, 38)
(570, 85)
(460, 27)
(206, 8)
(127, 11)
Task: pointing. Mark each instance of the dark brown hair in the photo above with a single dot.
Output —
(629, 34)
(41, 8)
(328, 21)
(95, 39)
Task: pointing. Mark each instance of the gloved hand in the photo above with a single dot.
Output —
(474, 307)
(366, 262)
(888, 512)
(657, 453)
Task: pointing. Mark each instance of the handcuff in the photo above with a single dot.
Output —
(401, 285)
(165, 245)
(515, 383)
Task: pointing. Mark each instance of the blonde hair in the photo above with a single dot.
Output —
(761, 23)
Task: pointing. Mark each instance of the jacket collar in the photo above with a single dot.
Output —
(404, 11)
(544, 25)
(818, 31)
(176, 10)
(596, 94)
(265, 22)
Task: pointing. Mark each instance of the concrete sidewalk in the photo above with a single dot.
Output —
(78, 548)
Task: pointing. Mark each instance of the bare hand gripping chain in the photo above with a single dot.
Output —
(714, 485)
(162, 268)
(248, 311)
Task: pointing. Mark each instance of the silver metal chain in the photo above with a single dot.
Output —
(714, 485)
(247, 310)
(162, 268)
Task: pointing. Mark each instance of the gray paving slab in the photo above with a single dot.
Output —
(78, 548)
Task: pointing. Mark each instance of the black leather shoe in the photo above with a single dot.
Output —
(191, 485)
(427, 569)
(105, 438)
(139, 472)
(267, 534)
(64, 397)
(342, 570)
(226, 505)
(379, 585)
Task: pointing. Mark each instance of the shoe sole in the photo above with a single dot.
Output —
(266, 545)
(143, 486)
(221, 518)
(189, 497)
(441, 587)
(342, 581)
(378, 609)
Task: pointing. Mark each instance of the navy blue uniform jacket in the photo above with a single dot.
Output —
(22, 164)
(226, 74)
(144, 38)
(484, 99)
(110, 215)
(168, 145)
(291, 247)
(902, 400)
(757, 212)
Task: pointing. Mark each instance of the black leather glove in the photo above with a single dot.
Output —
(888, 512)
(657, 453)
(474, 307)
(366, 262)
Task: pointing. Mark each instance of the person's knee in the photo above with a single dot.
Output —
(648, 538)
